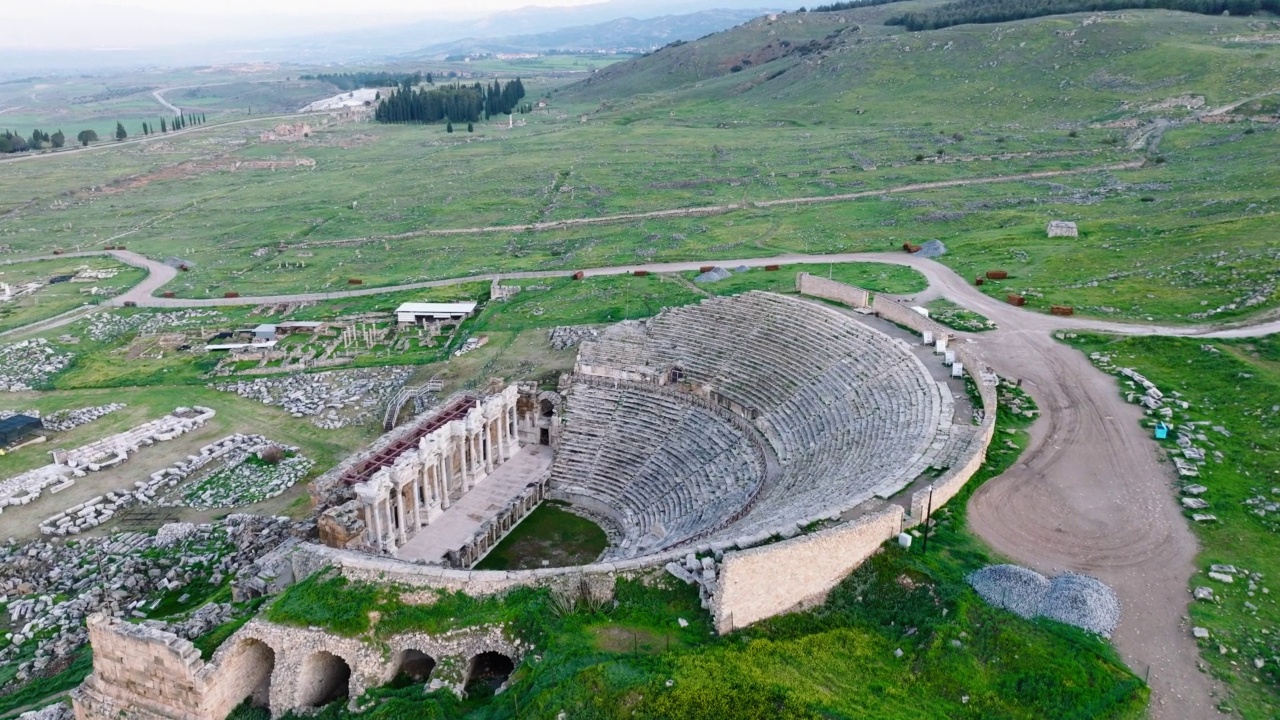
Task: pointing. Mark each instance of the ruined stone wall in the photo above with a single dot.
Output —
(855, 297)
(140, 673)
(308, 558)
(793, 574)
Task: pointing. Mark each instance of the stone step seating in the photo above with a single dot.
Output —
(668, 468)
(850, 413)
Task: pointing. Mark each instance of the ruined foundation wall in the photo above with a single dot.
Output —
(815, 286)
(139, 673)
(793, 574)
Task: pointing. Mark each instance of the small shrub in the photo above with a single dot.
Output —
(1073, 134)
(271, 455)
(736, 68)
(920, 157)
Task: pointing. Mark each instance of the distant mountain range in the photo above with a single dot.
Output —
(621, 34)
(612, 23)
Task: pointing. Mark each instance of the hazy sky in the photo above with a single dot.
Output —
(91, 24)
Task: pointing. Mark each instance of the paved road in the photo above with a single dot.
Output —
(1089, 494)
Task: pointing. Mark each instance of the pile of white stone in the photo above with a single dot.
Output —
(108, 452)
(108, 326)
(241, 481)
(358, 393)
(49, 587)
(1073, 599)
(570, 336)
(64, 420)
(26, 364)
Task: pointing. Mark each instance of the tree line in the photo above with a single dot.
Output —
(467, 103)
(353, 81)
(963, 12)
(852, 4)
(11, 142)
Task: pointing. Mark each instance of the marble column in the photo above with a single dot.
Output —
(400, 520)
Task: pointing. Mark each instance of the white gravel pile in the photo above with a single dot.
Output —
(1082, 601)
(932, 249)
(1078, 600)
(1012, 587)
(715, 274)
(26, 364)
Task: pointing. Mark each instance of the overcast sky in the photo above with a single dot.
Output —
(94, 24)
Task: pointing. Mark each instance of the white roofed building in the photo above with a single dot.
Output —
(424, 313)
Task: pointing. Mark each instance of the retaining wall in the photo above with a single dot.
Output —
(815, 286)
(950, 484)
(793, 574)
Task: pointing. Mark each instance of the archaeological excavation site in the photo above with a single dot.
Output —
(757, 448)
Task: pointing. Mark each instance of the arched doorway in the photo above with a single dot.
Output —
(487, 672)
(323, 678)
(249, 671)
(415, 665)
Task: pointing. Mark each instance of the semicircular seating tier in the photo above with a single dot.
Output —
(848, 412)
(656, 467)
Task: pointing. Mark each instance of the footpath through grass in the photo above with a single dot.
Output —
(1233, 393)
(960, 657)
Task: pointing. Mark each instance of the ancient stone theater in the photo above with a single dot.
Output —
(759, 446)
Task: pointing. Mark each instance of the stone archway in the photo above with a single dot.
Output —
(248, 669)
(323, 678)
(487, 672)
(415, 664)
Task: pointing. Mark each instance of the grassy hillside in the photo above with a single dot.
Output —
(824, 104)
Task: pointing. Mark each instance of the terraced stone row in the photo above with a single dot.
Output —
(669, 469)
(850, 413)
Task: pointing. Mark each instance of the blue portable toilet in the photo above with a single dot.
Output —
(1162, 430)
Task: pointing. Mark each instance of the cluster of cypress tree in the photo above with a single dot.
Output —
(963, 12)
(352, 81)
(467, 103)
(11, 142)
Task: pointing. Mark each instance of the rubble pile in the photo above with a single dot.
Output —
(570, 336)
(108, 452)
(26, 364)
(64, 420)
(103, 327)
(240, 488)
(361, 393)
(49, 587)
(245, 479)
